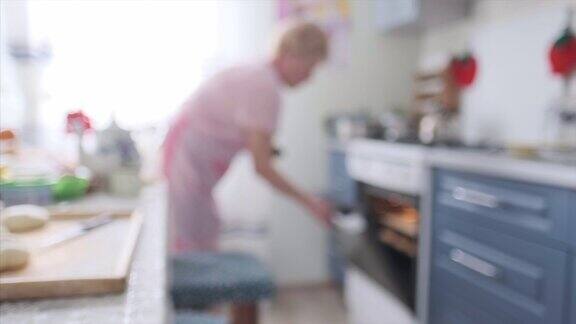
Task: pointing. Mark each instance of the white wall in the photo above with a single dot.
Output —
(378, 75)
(514, 87)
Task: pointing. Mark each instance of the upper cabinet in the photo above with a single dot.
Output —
(416, 15)
(393, 14)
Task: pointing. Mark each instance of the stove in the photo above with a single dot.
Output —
(398, 166)
(391, 166)
(390, 179)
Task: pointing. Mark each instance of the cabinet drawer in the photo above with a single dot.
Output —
(447, 308)
(526, 209)
(524, 279)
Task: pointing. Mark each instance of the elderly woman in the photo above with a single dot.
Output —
(236, 109)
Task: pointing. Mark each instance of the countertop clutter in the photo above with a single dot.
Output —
(143, 301)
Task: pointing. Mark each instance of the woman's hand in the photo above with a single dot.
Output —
(320, 209)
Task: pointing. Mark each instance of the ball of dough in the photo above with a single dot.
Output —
(13, 255)
(22, 218)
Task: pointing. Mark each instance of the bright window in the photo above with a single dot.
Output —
(136, 60)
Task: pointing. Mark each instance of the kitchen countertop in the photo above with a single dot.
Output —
(503, 165)
(145, 299)
(401, 164)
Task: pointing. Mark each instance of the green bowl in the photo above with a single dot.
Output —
(70, 187)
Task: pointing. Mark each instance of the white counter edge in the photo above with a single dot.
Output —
(540, 172)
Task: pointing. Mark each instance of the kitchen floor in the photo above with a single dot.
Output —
(311, 305)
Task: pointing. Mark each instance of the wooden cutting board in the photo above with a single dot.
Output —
(95, 263)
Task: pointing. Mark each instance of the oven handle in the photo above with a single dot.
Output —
(474, 197)
(475, 264)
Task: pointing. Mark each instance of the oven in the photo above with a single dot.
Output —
(383, 264)
(392, 234)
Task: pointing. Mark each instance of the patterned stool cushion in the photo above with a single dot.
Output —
(198, 318)
(206, 278)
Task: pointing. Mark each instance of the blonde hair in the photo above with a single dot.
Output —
(303, 39)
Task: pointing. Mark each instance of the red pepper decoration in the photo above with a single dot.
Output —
(562, 55)
(77, 122)
(463, 69)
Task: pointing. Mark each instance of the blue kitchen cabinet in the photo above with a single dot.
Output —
(502, 273)
(571, 207)
(573, 307)
(534, 212)
(451, 309)
(502, 251)
(571, 211)
(342, 189)
(343, 194)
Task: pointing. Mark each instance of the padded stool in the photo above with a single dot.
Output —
(203, 279)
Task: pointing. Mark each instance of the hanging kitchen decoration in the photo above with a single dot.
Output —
(562, 54)
(463, 69)
(560, 121)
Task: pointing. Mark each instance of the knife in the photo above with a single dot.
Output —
(83, 228)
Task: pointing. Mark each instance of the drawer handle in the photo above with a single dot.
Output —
(475, 264)
(475, 197)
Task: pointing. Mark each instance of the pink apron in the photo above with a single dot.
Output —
(207, 134)
(193, 168)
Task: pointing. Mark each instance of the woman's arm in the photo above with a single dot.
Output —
(260, 146)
